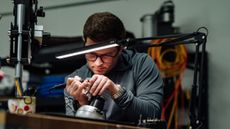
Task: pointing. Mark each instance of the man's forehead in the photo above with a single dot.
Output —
(106, 51)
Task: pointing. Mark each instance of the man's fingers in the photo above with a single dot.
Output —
(100, 85)
(83, 86)
(104, 88)
(72, 84)
(78, 78)
(69, 81)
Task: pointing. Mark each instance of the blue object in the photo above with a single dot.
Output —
(47, 83)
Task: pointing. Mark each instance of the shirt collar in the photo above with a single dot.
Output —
(123, 62)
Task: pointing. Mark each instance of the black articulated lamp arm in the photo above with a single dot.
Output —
(177, 39)
(195, 104)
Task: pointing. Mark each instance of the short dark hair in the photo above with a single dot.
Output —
(103, 26)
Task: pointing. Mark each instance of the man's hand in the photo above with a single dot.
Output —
(96, 85)
(100, 84)
(78, 89)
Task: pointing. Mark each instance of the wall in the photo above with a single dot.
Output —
(190, 14)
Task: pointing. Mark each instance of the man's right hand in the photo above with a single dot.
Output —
(78, 89)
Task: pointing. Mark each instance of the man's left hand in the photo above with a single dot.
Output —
(100, 84)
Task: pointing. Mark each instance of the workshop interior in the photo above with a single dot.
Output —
(180, 54)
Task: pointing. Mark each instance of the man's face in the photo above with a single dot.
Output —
(102, 61)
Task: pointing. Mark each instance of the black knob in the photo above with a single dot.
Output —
(98, 102)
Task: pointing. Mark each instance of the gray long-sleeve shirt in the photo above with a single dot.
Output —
(138, 75)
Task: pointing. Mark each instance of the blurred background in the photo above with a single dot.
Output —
(64, 21)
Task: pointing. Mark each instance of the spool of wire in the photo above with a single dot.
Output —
(171, 60)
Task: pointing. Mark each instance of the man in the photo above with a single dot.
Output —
(129, 81)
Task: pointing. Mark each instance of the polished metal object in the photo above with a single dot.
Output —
(94, 110)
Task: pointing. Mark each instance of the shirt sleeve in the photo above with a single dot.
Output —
(70, 105)
(149, 92)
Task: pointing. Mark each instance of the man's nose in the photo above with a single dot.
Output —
(98, 61)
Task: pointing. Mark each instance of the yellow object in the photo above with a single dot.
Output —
(171, 60)
(19, 91)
